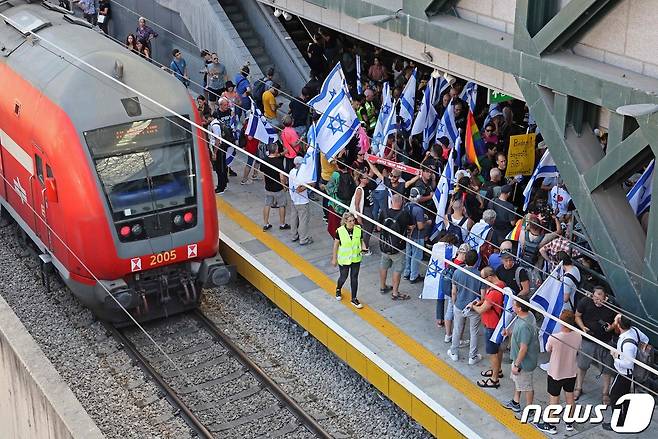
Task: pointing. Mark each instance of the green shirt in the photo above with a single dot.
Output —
(525, 331)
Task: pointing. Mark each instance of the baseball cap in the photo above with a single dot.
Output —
(506, 188)
(298, 160)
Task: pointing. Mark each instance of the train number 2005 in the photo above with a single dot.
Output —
(167, 256)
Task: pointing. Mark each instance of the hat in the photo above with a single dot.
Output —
(507, 188)
(506, 255)
(245, 70)
(229, 84)
(464, 248)
(368, 93)
(298, 160)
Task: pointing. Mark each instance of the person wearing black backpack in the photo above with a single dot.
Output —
(392, 247)
(262, 85)
(630, 344)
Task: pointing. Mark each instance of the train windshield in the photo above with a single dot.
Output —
(144, 167)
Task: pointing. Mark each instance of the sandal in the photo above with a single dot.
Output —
(440, 323)
(488, 383)
(489, 372)
(385, 290)
(400, 296)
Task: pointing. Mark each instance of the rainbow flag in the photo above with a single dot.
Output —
(474, 143)
(515, 234)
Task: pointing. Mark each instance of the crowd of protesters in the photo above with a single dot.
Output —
(485, 228)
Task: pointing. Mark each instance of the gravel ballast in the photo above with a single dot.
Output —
(125, 404)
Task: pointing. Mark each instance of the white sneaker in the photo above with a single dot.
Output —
(453, 357)
(475, 360)
(447, 338)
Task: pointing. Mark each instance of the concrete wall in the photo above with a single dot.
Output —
(496, 14)
(35, 402)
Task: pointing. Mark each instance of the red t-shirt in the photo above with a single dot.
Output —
(492, 315)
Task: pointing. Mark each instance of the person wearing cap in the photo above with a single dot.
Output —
(495, 260)
(242, 88)
(505, 214)
(300, 205)
(419, 226)
(514, 276)
(425, 186)
(270, 105)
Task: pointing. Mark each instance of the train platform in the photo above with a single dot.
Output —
(395, 345)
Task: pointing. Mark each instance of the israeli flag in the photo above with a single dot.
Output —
(390, 127)
(442, 193)
(506, 318)
(231, 152)
(427, 118)
(331, 87)
(470, 94)
(640, 195)
(439, 87)
(545, 168)
(447, 126)
(308, 171)
(378, 138)
(493, 112)
(359, 85)
(336, 126)
(441, 252)
(550, 298)
(407, 101)
(258, 127)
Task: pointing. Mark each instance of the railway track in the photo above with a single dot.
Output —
(215, 388)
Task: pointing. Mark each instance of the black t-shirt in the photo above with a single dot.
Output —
(592, 314)
(509, 277)
(299, 113)
(425, 188)
(367, 193)
(272, 179)
(504, 215)
(397, 189)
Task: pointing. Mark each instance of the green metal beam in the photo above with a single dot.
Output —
(627, 154)
(437, 7)
(619, 238)
(566, 23)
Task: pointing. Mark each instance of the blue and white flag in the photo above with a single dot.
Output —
(550, 298)
(378, 139)
(231, 152)
(336, 126)
(442, 193)
(506, 318)
(359, 85)
(308, 171)
(407, 101)
(260, 128)
(545, 168)
(427, 118)
(390, 127)
(470, 94)
(447, 126)
(432, 286)
(640, 195)
(439, 87)
(332, 85)
(493, 112)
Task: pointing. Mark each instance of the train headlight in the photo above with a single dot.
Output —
(137, 229)
(178, 220)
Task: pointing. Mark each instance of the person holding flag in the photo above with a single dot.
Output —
(331, 87)
(408, 101)
(337, 125)
(303, 174)
(437, 285)
(545, 168)
(427, 119)
(474, 144)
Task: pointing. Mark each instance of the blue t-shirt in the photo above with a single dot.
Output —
(417, 216)
(241, 84)
(178, 67)
(468, 288)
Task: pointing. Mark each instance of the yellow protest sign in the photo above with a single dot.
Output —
(521, 155)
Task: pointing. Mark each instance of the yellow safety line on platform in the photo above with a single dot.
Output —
(415, 349)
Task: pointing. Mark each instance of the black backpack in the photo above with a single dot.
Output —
(390, 243)
(346, 187)
(259, 89)
(456, 229)
(645, 354)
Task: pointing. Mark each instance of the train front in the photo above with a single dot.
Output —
(157, 186)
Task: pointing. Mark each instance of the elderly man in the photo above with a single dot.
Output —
(300, 205)
(482, 231)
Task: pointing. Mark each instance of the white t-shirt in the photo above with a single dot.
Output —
(560, 200)
(293, 183)
(570, 286)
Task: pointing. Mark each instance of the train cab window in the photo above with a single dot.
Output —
(49, 172)
(38, 163)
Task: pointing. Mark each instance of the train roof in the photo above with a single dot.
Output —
(89, 98)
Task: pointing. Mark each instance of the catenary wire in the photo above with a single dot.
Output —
(521, 216)
(199, 127)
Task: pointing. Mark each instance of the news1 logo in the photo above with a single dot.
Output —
(638, 413)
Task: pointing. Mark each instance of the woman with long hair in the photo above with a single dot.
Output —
(130, 41)
(347, 251)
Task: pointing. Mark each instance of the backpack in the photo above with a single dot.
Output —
(456, 229)
(531, 248)
(346, 186)
(645, 354)
(259, 89)
(388, 242)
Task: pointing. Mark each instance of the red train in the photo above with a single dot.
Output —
(116, 194)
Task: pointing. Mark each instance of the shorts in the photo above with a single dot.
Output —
(276, 199)
(395, 261)
(554, 387)
(490, 347)
(523, 381)
(214, 94)
(601, 355)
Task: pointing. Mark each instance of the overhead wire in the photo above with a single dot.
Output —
(263, 162)
(439, 175)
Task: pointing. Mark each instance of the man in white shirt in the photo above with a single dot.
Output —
(559, 199)
(630, 338)
(300, 206)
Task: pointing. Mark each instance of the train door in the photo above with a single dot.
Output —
(40, 198)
